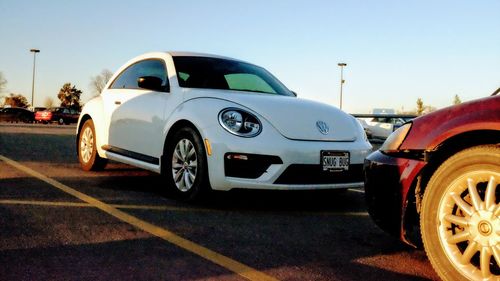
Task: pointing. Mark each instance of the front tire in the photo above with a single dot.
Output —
(460, 216)
(185, 165)
(87, 150)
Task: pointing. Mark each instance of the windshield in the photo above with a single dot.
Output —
(215, 73)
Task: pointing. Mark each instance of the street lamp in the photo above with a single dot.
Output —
(34, 51)
(342, 81)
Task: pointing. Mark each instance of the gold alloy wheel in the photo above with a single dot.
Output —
(469, 224)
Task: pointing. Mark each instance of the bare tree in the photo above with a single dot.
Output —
(420, 106)
(428, 109)
(3, 82)
(49, 102)
(97, 83)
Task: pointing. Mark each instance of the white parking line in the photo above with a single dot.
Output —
(356, 190)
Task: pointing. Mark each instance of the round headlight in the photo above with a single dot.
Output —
(239, 122)
(232, 119)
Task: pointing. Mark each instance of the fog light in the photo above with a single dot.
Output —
(237, 157)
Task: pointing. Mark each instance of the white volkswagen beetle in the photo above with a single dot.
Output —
(210, 122)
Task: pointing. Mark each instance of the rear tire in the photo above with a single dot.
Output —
(459, 216)
(87, 150)
(185, 165)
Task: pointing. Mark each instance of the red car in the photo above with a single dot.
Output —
(60, 115)
(436, 180)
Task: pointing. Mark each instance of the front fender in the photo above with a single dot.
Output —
(203, 114)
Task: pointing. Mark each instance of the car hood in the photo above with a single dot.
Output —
(296, 118)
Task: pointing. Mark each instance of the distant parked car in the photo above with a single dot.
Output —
(380, 126)
(61, 115)
(16, 114)
(436, 180)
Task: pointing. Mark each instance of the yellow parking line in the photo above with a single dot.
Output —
(74, 204)
(226, 262)
(44, 203)
(161, 208)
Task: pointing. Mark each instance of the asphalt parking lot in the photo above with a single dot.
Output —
(60, 223)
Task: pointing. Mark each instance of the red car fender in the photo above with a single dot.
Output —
(429, 131)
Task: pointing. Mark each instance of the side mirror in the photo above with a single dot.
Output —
(151, 83)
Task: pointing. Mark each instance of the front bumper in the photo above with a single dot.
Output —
(388, 181)
(288, 164)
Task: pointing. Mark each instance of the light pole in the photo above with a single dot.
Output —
(342, 81)
(34, 51)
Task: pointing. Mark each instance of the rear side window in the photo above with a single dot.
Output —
(128, 78)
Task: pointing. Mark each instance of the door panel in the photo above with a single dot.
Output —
(135, 117)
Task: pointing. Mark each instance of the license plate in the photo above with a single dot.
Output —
(335, 160)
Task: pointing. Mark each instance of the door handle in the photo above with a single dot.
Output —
(117, 102)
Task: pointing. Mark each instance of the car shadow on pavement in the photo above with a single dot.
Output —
(318, 232)
(290, 242)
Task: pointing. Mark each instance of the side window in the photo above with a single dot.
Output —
(128, 78)
(65, 111)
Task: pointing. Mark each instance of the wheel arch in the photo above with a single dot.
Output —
(181, 123)
(202, 182)
(434, 158)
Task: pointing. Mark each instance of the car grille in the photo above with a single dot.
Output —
(314, 174)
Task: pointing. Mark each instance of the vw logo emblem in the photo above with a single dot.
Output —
(322, 127)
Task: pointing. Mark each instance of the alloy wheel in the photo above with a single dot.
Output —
(469, 224)
(86, 144)
(184, 165)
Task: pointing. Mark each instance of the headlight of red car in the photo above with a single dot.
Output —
(395, 140)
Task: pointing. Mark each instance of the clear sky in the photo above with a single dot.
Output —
(396, 51)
